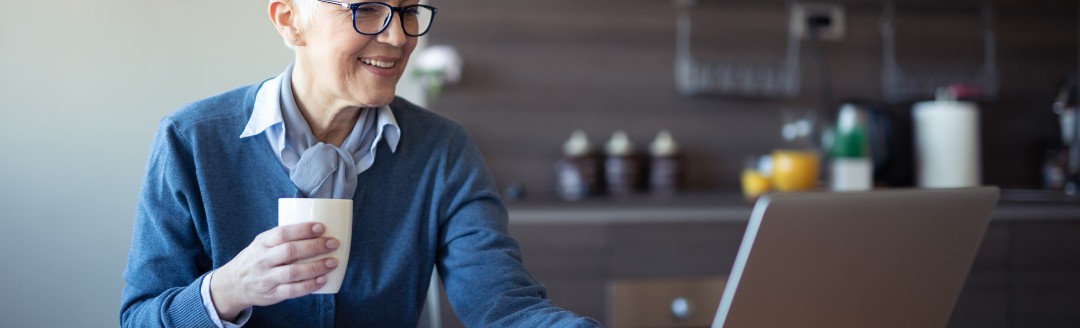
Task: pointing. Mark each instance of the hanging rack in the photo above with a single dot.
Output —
(699, 77)
(901, 84)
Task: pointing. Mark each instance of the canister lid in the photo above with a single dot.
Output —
(619, 144)
(664, 145)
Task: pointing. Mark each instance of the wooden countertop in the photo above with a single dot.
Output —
(1015, 205)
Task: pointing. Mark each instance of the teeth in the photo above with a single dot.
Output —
(377, 63)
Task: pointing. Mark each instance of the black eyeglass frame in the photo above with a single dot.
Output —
(386, 21)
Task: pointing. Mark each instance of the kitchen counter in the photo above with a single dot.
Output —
(1015, 205)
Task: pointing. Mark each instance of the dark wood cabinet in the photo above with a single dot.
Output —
(984, 301)
(1045, 266)
(1026, 274)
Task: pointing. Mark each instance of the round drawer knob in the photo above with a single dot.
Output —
(680, 308)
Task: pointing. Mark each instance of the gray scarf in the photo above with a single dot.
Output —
(318, 169)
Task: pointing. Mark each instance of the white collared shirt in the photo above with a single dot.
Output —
(266, 118)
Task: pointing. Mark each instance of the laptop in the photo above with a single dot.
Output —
(889, 258)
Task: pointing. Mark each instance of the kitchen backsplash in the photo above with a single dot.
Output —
(535, 71)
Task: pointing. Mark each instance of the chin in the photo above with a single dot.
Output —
(378, 101)
(371, 95)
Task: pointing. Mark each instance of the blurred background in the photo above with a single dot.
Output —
(83, 84)
(602, 66)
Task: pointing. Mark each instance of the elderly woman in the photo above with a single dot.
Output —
(206, 250)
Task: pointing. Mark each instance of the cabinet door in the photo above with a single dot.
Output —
(984, 299)
(653, 264)
(1046, 261)
(674, 303)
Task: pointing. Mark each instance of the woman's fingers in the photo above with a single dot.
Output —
(297, 272)
(292, 232)
(299, 288)
(292, 251)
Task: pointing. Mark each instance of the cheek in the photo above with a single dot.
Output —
(347, 64)
(408, 49)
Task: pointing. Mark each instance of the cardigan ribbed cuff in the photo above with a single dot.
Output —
(187, 306)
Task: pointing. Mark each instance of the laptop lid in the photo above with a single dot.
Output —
(890, 258)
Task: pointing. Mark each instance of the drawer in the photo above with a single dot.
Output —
(664, 302)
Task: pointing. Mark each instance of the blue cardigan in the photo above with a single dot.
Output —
(207, 193)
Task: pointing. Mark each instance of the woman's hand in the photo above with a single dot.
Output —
(266, 271)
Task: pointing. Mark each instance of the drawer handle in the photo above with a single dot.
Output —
(680, 308)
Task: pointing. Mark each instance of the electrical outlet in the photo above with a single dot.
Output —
(803, 13)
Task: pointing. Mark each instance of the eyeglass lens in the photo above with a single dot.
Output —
(371, 18)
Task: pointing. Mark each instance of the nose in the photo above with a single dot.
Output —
(394, 34)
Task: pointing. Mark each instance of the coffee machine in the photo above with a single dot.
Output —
(1066, 107)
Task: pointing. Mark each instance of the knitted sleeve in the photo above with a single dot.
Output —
(479, 262)
(167, 260)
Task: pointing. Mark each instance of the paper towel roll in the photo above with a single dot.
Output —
(947, 144)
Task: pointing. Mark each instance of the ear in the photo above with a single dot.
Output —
(287, 22)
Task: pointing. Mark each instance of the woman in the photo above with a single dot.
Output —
(205, 249)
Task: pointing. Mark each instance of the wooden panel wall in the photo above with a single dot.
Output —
(537, 70)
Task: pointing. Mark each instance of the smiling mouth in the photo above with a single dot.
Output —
(376, 63)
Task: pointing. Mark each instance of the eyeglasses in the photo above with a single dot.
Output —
(371, 18)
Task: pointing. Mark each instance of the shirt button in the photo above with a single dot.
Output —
(327, 306)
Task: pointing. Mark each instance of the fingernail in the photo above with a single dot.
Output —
(332, 244)
(320, 280)
(331, 262)
(317, 228)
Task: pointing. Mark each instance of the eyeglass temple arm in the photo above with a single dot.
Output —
(336, 3)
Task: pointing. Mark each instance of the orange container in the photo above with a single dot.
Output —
(795, 170)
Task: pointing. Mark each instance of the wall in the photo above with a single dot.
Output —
(537, 70)
(82, 86)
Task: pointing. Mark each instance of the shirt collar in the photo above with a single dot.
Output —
(388, 128)
(267, 111)
(267, 116)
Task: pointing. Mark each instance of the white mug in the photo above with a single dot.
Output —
(336, 216)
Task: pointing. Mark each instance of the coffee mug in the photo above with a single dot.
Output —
(336, 216)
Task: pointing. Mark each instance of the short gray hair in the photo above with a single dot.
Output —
(305, 9)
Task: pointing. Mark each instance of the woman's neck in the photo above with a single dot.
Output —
(329, 122)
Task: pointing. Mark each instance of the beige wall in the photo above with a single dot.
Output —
(82, 86)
